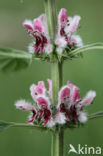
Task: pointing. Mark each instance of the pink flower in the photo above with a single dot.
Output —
(44, 109)
(87, 100)
(43, 101)
(65, 37)
(23, 105)
(41, 98)
(38, 29)
(38, 89)
(71, 104)
(66, 28)
(69, 108)
(64, 94)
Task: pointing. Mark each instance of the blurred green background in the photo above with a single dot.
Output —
(86, 72)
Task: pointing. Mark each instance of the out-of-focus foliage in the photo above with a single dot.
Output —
(14, 60)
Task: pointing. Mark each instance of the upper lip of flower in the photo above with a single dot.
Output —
(37, 30)
(67, 26)
(74, 104)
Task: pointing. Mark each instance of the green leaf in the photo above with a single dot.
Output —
(4, 125)
(14, 60)
(96, 115)
(84, 48)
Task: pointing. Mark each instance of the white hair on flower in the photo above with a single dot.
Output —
(48, 48)
(28, 22)
(88, 99)
(24, 105)
(74, 24)
(76, 39)
(61, 42)
(50, 123)
(82, 117)
(60, 118)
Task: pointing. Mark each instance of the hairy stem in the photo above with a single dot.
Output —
(55, 144)
(56, 75)
(57, 79)
(61, 142)
(50, 11)
(58, 135)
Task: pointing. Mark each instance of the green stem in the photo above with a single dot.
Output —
(58, 135)
(58, 143)
(51, 15)
(61, 142)
(55, 144)
(57, 79)
(56, 75)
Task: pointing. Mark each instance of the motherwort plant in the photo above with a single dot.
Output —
(59, 106)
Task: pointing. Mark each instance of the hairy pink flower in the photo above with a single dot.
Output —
(69, 108)
(38, 29)
(24, 105)
(87, 100)
(38, 89)
(44, 109)
(66, 28)
(43, 101)
(72, 104)
(65, 37)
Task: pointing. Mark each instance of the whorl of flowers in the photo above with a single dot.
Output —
(69, 109)
(65, 39)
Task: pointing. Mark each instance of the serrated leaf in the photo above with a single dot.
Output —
(4, 125)
(84, 48)
(14, 60)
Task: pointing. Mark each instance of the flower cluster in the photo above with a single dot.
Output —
(69, 108)
(65, 39)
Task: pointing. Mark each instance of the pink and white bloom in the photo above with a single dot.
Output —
(71, 104)
(41, 97)
(24, 105)
(69, 108)
(44, 112)
(67, 26)
(39, 30)
(38, 89)
(60, 118)
(65, 37)
(87, 100)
